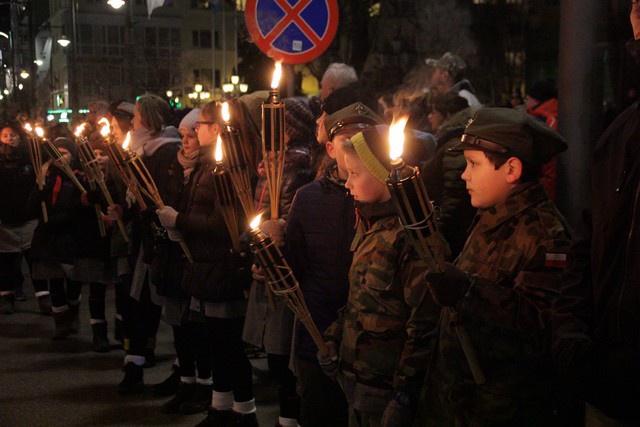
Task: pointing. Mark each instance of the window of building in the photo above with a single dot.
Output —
(85, 42)
(201, 38)
(203, 76)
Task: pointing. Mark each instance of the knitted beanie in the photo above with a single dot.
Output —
(122, 110)
(300, 123)
(341, 98)
(188, 122)
(67, 144)
(372, 147)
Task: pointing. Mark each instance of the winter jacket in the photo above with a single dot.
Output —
(216, 272)
(297, 172)
(320, 229)
(597, 323)
(169, 260)
(91, 244)
(516, 254)
(17, 179)
(386, 332)
(445, 186)
(158, 161)
(58, 238)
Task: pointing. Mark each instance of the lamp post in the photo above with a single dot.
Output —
(199, 95)
(71, 71)
(234, 88)
(128, 63)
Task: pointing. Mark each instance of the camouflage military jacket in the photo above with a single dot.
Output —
(387, 329)
(516, 253)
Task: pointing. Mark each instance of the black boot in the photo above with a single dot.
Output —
(7, 304)
(132, 382)
(217, 418)
(44, 304)
(62, 321)
(150, 354)
(199, 402)
(74, 318)
(101, 342)
(185, 393)
(246, 420)
(118, 331)
(170, 385)
(19, 293)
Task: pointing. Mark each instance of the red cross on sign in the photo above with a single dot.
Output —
(292, 31)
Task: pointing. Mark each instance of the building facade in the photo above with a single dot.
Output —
(123, 53)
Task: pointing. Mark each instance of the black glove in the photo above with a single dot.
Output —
(397, 415)
(329, 363)
(94, 196)
(448, 287)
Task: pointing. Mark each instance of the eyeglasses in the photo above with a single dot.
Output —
(203, 122)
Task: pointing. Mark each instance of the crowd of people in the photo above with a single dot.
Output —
(515, 321)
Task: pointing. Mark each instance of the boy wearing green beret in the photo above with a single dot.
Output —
(381, 343)
(492, 365)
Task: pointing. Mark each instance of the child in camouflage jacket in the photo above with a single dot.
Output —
(492, 365)
(381, 343)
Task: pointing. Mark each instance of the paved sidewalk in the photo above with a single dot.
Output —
(64, 383)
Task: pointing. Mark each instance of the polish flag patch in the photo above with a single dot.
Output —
(555, 260)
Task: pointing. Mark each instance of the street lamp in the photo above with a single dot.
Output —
(169, 93)
(116, 4)
(235, 88)
(64, 41)
(24, 74)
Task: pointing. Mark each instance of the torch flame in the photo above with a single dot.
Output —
(277, 73)
(125, 144)
(28, 127)
(396, 137)
(106, 129)
(39, 131)
(256, 221)
(79, 130)
(218, 152)
(225, 111)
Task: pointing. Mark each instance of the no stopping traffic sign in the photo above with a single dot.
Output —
(292, 31)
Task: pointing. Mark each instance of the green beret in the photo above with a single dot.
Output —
(513, 133)
(356, 113)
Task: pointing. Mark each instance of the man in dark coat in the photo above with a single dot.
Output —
(597, 323)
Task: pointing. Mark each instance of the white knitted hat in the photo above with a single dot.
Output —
(189, 121)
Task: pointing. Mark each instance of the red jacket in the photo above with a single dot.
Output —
(548, 111)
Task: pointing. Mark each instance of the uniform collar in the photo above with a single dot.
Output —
(521, 200)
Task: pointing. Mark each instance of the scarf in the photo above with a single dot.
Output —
(143, 143)
(188, 162)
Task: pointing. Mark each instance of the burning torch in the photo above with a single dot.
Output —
(236, 163)
(273, 144)
(94, 174)
(281, 280)
(417, 216)
(225, 196)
